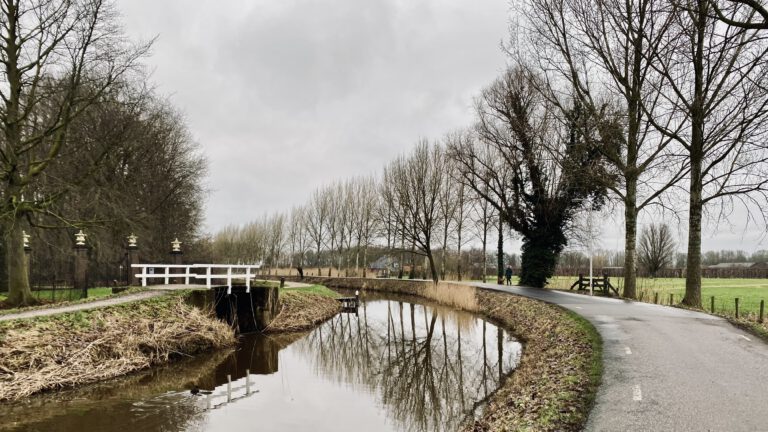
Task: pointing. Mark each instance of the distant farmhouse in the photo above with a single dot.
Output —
(384, 266)
(740, 265)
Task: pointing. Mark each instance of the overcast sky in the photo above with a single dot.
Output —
(288, 95)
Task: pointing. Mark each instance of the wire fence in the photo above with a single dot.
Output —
(745, 308)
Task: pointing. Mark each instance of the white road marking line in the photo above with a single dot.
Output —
(637, 394)
(627, 351)
(746, 338)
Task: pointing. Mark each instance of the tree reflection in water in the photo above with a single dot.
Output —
(430, 367)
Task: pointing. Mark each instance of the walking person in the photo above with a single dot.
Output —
(508, 275)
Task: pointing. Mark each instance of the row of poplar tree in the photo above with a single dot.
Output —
(652, 105)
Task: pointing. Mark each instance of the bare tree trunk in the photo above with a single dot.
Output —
(402, 257)
(445, 248)
(693, 264)
(19, 291)
(696, 150)
(500, 254)
(630, 240)
(485, 252)
(458, 255)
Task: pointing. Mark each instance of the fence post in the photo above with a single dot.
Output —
(712, 304)
(671, 298)
(656, 297)
(737, 308)
(762, 310)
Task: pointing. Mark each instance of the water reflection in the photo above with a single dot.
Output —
(430, 367)
(396, 365)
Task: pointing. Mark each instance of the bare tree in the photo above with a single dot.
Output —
(414, 183)
(447, 214)
(317, 218)
(713, 81)
(604, 51)
(534, 165)
(746, 14)
(460, 219)
(297, 237)
(58, 57)
(482, 215)
(657, 248)
(274, 227)
(364, 219)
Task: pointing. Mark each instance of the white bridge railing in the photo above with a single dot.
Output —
(179, 271)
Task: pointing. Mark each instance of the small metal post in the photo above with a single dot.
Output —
(357, 298)
(712, 304)
(671, 299)
(208, 401)
(762, 310)
(737, 308)
(229, 388)
(656, 297)
(247, 381)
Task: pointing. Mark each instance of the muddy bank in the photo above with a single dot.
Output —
(555, 384)
(302, 311)
(70, 349)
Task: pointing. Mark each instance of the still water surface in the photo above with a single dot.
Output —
(399, 364)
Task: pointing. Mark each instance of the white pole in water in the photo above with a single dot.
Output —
(229, 388)
(247, 381)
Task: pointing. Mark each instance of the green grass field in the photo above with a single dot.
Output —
(63, 295)
(314, 289)
(749, 291)
(725, 291)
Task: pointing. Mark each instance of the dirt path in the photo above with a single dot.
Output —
(82, 306)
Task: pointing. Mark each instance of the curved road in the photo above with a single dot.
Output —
(669, 369)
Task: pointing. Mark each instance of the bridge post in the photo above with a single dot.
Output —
(176, 259)
(132, 256)
(81, 263)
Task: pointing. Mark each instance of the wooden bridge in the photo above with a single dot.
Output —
(207, 273)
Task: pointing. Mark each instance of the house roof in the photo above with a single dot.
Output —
(732, 265)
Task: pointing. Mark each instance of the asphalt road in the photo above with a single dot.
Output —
(669, 369)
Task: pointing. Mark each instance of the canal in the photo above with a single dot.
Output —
(398, 364)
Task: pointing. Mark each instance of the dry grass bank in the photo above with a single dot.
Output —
(300, 311)
(83, 347)
(553, 387)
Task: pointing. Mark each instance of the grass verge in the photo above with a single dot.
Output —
(320, 290)
(302, 309)
(555, 384)
(70, 349)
